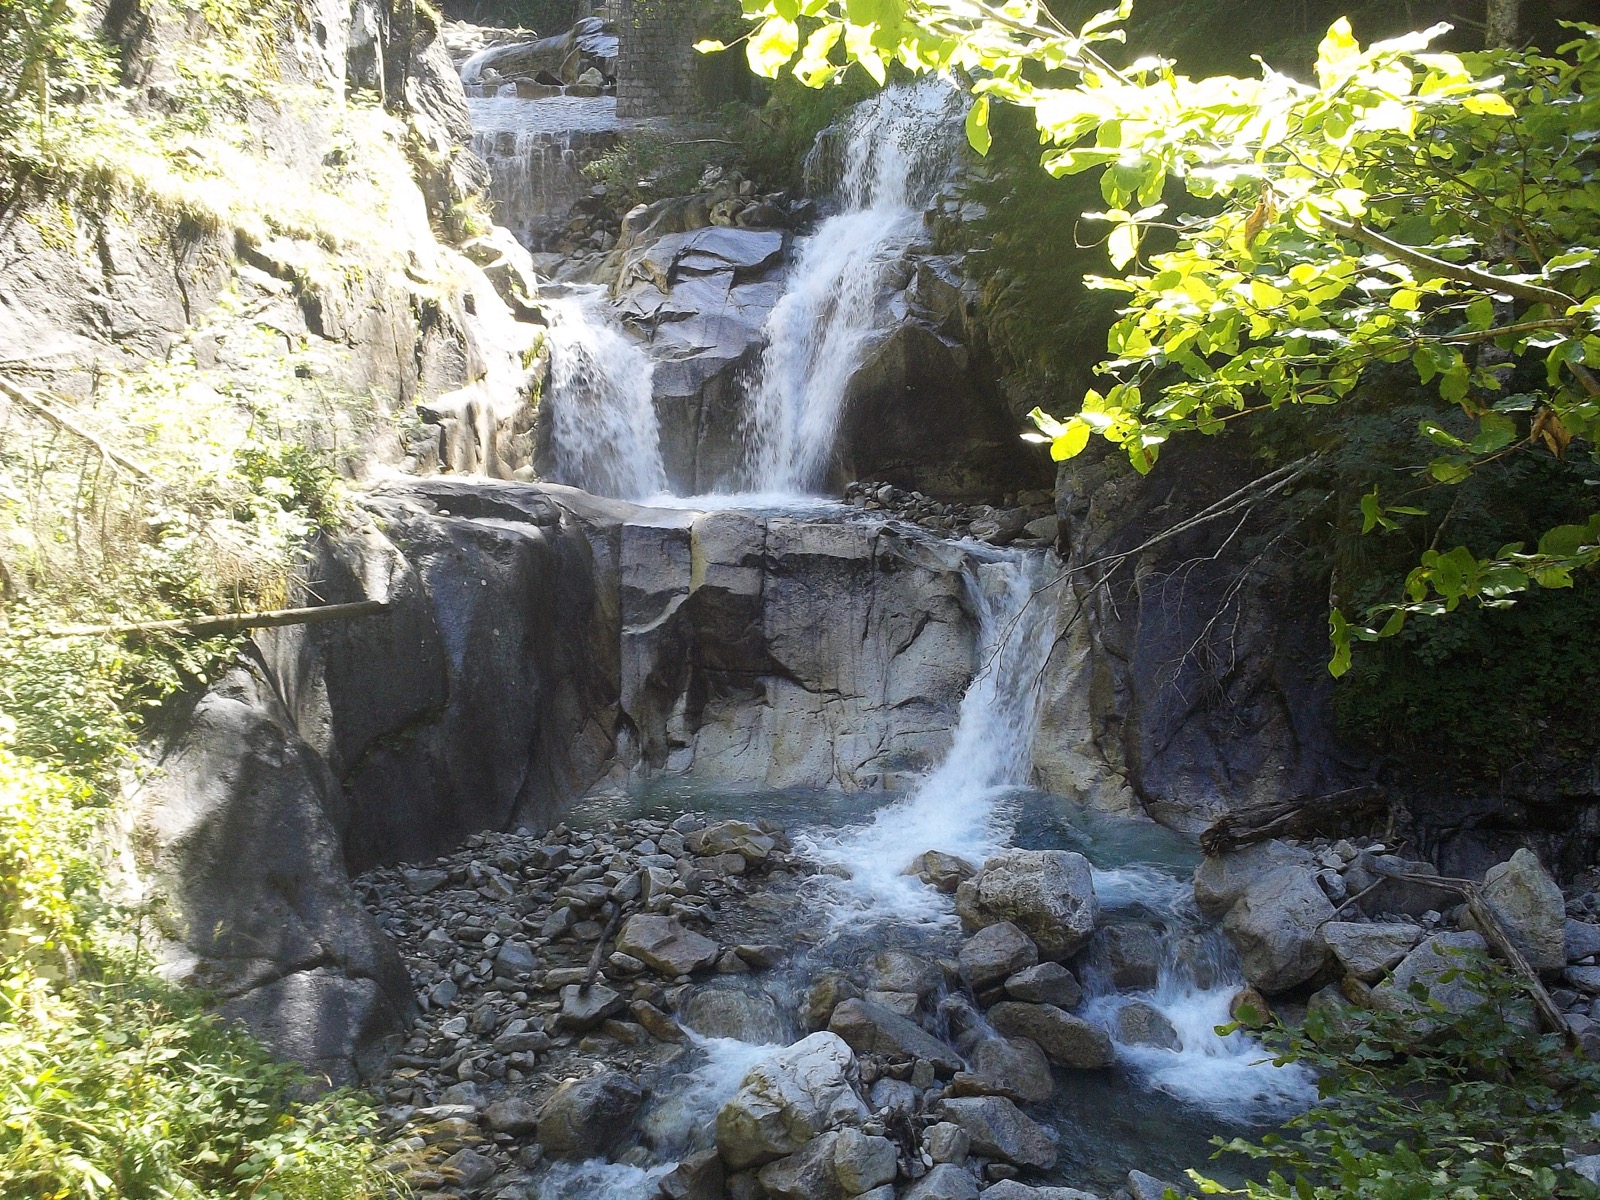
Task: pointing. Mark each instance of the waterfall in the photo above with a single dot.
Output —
(604, 432)
(957, 808)
(893, 152)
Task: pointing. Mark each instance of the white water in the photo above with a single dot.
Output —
(958, 809)
(604, 432)
(896, 150)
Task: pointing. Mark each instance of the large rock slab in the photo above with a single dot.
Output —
(1370, 951)
(664, 944)
(1012, 1067)
(787, 1100)
(1048, 894)
(585, 1118)
(808, 1174)
(1222, 879)
(1067, 1040)
(999, 1129)
(992, 954)
(1436, 966)
(870, 1028)
(1277, 928)
(1531, 908)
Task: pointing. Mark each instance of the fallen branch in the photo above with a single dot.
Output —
(593, 973)
(231, 622)
(1303, 816)
(31, 401)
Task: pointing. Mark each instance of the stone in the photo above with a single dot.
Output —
(1047, 983)
(830, 989)
(946, 1142)
(1141, 1024)
(894, 1094)
(1013, 1067)
(943, 871)
(871, 1029)
(1276, 926)
(515, 960)
(723, 1012)
(469, 1168)
(945, 1181)
(732, 837)
(1148, 1187)
(1010, 1189)
(1222, 879)
(902, 1004)
(581, 1010)
(999, 1129)
(788, 1099)
(1369, 951)
(1530, 907)
(698, 1177)
(1132, 954)
(1068, 1041)
(419, 882)
(993, 953)
(807, 1174)
(1048, 894)
(862, 1162)
(662, 943)
(515, 1115)
(1397, 891)
(1585, 979)
(1439, 955)
(897, 971)
(586, 1118)
(1582, 938)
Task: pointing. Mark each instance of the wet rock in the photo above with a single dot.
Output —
(1440, 955)
(748, 841)
(1067, 1041)
(698, 1177)
(733, 1013)
(897, 971)
(830, 990)
(1276, 926)
(1014, 1067)
(789, 1099)
(943, 871)
(1141, 1024)
(1582, 938)
(1010, 1189)
(946, 1142)
(902, 1004)
(1221, 880)
(1529, 904)
(515, 1115)
(1249, 998)
(945, 1181)
(1047, 983)
(1370, 951)
(664, 944)
(994, 953)
(581, 1010)
(862, 1162)
(871, 1029)
(808, 1174)
(999, 1129)
(586, 1118)
(1148, 1187)
(1048, 894)
(469, 1169)
(1133, 955)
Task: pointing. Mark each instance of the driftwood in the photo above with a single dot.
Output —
(593, 972)
(231, 622)
(1303, 816)
(31, 400)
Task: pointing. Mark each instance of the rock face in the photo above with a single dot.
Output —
(1048, 894)
(1529, 905)
(786, 1101)
(240, 828)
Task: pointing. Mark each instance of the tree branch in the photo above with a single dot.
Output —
(231, 622)
(31, 401)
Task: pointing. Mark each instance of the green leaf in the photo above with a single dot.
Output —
(978, 125)
(772, 46)
(1123, 244)
(1487, 104)
(1071, 441)
(1450, 470)
(1339, 635)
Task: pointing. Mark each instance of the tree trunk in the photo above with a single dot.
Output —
(1500, 25)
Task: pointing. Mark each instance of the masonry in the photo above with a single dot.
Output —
(656, 68)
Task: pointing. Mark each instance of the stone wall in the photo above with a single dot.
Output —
(655, 59)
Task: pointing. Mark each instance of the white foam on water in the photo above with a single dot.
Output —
(682, 1119)
(959, 808)
(597, 1179)
(604, 431)
(896, 149)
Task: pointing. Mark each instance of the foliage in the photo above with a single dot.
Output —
(1426, 1103)
(647, 164)
(1410, 207)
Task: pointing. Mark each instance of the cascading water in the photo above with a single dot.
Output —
(604, 432)
(896, 150)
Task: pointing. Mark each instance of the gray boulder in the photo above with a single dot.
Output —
(664, 944)
(1068, 1041)
(1530, 906)
(999, 1129)
(1010, 1189)
(1048, 894)
(1277, 928)
(727, 1012)
(872, 1029)
(945, 1181)
(1220, 881)
(1141, 1024)
(807, 1174)
(1583, 939)
(732, 837)
(1428, 965)
(787, 1100)
(1148, 1187)
(862, 1162)
(1047, 983)
(515, 1115)
(1131, 953)
(897, 971)
(585, 1008)
(946, 1142)
(1369, 951)
(698, 1177)
(586, 1118)
(992, 954)
(946, 872)
(1013, 1067)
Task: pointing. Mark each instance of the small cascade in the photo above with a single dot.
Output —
(890, 156)
(604, 433)
(958, 808)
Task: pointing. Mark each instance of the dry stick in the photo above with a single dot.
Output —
(24, 397)
(231, 622)
(593, 972)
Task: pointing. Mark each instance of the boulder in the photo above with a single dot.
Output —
(1439, 956)
(1148, 1187)
(1221, 880)
(1068, 1041)
(1582, 938)
(897, 971)
(515, 1115)
(862, 1162)
(1132, 955)
(664, 944)
(732, 837)
(1141, 1024)
(1048, 894)
(788, 1099)
(946, 1142)
(946, 872)
(945, 1181)
(1010, 1189)
(1013, 1067)
(807, 1174)
(585, 1008)
(992, 954)
(1397, 890)
(872, 1029)
(698, 1177)
(1530, 907)
(1047, 983)
(999, 1129)
(827, 992)
(1369, 951)
(586, 1118)
(727, 1012)
(1277, 928)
